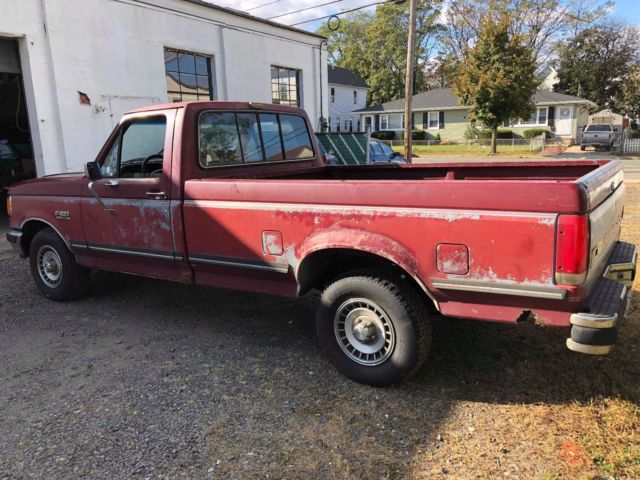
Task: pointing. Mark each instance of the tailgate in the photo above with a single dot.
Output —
(604, 195)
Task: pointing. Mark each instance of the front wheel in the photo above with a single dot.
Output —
(373, 327)
(54, 268)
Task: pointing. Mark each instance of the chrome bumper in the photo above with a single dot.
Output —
(14, 238)
(594, 331)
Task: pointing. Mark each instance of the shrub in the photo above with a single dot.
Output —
(471, 133)
(633, 133)
(418, 135)
(503, 133)
(438, 137)
(536, 132)
(384, 135)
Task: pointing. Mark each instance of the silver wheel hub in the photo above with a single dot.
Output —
(49, 266)
(364, 331)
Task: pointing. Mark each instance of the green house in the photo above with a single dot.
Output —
(438, 112)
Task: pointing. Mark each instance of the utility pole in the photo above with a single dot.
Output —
(408, 88)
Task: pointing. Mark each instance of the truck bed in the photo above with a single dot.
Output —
(532, 187)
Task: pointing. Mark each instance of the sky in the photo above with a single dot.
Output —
(626, 11)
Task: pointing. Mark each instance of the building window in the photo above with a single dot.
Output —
(188, 76)
(355, 97)
(348, 125)
(333, 94)
(434, 121)
(392, 122)
(538, 117)
(285, 86)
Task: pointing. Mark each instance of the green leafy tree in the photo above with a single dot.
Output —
(496, 77)
(594, 64)
(374, 45)
(627, 101)
(541, 24)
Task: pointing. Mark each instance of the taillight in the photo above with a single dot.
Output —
(9, 205)
(572, 249)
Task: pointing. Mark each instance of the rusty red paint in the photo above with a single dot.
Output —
(452, 259)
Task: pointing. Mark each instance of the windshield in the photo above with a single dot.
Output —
(386, 149)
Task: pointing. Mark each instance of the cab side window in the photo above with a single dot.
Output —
(138, 152)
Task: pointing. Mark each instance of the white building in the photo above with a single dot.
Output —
(70, 68)
(347, 92)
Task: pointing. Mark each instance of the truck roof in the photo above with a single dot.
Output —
(217, 105)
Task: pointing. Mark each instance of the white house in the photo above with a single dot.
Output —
(69, 69)
(347, 92)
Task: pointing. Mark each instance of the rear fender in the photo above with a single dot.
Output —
(360, 241)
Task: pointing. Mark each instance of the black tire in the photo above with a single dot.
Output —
(393, 302)
(583, 148)
(54, 268)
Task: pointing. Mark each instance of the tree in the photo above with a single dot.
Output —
(540, 23)
(627, 101)
(374, 45)
(496, 77)
(595, 62)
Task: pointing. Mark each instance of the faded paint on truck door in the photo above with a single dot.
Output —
(129, 227)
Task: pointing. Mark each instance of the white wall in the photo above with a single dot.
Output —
(113, 50)
(343, 105)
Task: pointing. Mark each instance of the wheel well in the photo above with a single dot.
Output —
(29, 231)
(319, 268)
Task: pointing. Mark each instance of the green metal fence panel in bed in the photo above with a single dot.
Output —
(349, 148)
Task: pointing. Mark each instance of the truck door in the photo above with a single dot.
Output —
(127, 218)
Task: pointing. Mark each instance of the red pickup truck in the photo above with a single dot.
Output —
(237, 195)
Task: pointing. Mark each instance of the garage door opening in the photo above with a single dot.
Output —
(16, 151)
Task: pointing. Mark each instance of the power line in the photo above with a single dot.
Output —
(343, 12)
(262, 5)
(304, 9)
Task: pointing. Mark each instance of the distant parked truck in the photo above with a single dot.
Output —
(598, 136)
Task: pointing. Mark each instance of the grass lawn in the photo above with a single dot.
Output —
(468, 150)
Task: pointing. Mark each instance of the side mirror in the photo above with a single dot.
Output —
(395, 154)
(92, 169)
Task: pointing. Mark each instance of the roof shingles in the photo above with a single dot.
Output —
(342, 76)
(440, 98)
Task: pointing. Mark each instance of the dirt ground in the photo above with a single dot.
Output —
(147, 379)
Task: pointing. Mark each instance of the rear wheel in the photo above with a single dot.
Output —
(582, 147)
(54, 268)
(373, 327)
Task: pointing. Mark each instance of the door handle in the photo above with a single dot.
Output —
(156, 195)
(111, 183)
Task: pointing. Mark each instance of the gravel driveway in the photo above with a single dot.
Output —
(147, 379)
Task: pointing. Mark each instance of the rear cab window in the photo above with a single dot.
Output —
(599, 128)
(235, 138)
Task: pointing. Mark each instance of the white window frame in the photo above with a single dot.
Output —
(537, 124)
(386, 118)
(437, 116)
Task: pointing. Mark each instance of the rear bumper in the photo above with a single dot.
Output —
(596, 142)
(594, 331)
(13, 237)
